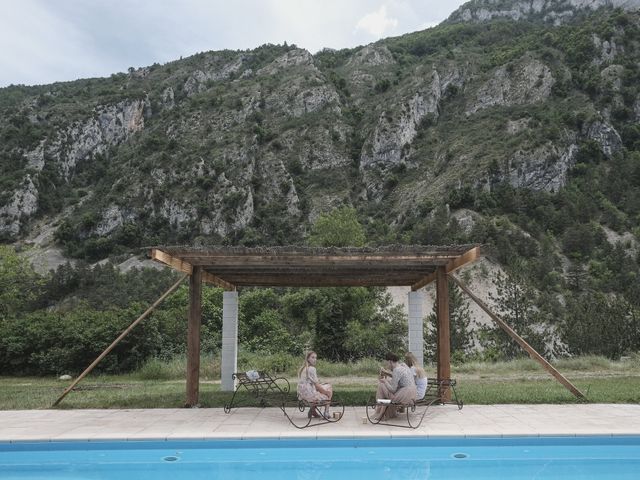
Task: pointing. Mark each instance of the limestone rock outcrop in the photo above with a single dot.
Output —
(527, 81)
(550, 11)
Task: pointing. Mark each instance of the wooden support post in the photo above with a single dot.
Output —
(444, 334)
(193, 337)
(528, 348)
(117, 340)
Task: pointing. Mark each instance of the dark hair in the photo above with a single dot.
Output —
(392, 357)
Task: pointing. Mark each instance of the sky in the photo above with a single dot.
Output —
(44, 41)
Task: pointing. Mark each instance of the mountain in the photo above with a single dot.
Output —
(514, 123)
(555, 12)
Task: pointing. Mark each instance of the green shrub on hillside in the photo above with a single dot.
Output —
(599, 325)
(20, 285)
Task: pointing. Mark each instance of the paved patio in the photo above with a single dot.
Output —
(246, 423)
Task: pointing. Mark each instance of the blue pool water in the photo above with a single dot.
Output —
(566, 458)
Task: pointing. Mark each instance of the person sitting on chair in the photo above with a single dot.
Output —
(400, 388)
(309, 387)
(419, 375)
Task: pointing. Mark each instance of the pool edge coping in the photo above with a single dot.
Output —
(315, 438)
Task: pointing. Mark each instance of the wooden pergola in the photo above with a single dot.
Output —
(232, 267)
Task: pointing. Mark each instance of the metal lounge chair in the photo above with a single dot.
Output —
(438, 387)
(267, 390)
(260, 386)
(336, 412)
(416, 410)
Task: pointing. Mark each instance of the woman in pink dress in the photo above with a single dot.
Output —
(309, 387)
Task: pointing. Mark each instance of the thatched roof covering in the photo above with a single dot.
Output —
(317, 267)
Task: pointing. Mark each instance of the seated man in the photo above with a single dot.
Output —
(400, 388)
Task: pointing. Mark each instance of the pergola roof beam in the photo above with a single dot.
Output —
(468, 257)
(301, 261)
(319, 281)
(186, 267)
(305, 266)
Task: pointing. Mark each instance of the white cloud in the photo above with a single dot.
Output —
(46, 41)
(377, 23)
(312, 24)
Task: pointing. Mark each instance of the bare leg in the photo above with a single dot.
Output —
(329, 388)
(382, 392)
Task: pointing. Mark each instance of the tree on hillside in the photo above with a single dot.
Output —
(378, 327)
(345, 323)
(598, 324)
(19, 283)
(262, 323)
(104, 286)
(338, 228)
(514, 303)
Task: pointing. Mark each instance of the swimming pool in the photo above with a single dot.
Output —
(566, 458)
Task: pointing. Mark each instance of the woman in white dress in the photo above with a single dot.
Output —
(309, 387)
(419, 375)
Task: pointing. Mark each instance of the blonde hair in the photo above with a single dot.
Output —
(306, 362)
(411, 361)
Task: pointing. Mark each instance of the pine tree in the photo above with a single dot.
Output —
(514, 303)
(599, 324)
(459, 324)
(577, 278)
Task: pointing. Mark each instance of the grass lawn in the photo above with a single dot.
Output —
(521, 381)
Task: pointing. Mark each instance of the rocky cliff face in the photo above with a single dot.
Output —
(551, 11)
(527, 81)
(389, 145)
(106, 127)
(22, 204)
(109, 126)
